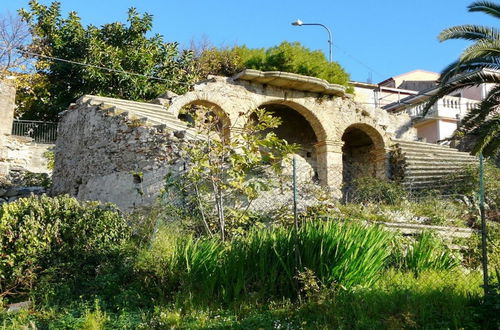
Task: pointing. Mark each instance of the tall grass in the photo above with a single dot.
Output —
(426, 252)
(266, 261)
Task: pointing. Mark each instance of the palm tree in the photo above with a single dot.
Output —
(478, 64)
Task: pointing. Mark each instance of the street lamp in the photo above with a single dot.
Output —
(300, 23)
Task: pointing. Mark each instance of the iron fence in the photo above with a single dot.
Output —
(39, 131)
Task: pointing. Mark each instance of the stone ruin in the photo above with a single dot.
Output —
(21, 160)
(119, 151)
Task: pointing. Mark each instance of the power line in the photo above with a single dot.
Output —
(359, 61)
(100, 67)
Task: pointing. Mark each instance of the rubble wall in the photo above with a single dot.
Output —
(109, 157)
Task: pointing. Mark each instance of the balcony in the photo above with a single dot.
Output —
(448, 107)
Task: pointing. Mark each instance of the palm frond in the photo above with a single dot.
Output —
(469, 32)
(458, 67)
(488, 106)
(487, 7)
(487, 135)
(481, 49)
(459, 82)
(492, 148)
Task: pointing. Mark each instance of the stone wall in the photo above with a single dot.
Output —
(21, 153)
(105, 156)
(17, 154)
(7, 106)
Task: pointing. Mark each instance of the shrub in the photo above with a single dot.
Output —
(41, 232)
(466, 183)
(373, 190)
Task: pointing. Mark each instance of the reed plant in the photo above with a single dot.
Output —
(265, 262)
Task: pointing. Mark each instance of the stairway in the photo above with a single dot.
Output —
(420, 165)
(152, 114)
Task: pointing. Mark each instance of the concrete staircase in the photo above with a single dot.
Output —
(420, 165)
(150, 114)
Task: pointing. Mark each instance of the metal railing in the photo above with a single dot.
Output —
(39, 131)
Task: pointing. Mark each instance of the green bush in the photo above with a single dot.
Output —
(466, 183)
(373, 190)
(37, 233)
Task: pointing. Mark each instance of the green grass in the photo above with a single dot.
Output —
(432, 300)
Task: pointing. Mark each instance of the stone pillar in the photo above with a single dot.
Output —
(381, 159)
(330, 166)
(7, 105)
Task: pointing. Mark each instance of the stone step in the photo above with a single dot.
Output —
(155, 120)
(445, 231)
(138, 108)
(146, 109)
(145, 112)
(94, 99)
(432, 163)
(426, 178)
(421, 146)
(160, 117)
(410, 173)
(422, 158)
(439, 154)
(417, 144)
(425, 166)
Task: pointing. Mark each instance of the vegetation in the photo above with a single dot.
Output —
(13, 34)
(326, 274)
(115, 46)
(288, 57)
(264, 262)
(42, 233)
(226, 175)
(478, 64)
(377, 191)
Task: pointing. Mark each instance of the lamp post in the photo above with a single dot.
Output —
(300, 23)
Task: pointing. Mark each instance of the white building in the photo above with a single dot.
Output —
(409, 91)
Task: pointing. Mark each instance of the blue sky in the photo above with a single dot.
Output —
(378, 38)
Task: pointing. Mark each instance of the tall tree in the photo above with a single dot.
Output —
(14, 34)
(116, 59)
(478, 64)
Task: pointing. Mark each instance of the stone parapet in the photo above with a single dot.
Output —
(7, 106)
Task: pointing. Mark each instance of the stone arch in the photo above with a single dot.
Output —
(363, 153)
(300, 126)
(224, 120)
(309, 116)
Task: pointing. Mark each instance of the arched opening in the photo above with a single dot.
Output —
(363, 154)
(205, 116)
(296, 129)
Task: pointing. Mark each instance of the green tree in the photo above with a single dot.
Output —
(117, 46)
(478, 64)
(287, 57)
(225, 174)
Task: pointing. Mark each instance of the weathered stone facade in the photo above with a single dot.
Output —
(22, 162)
(17, 153)
(7, 106)
(105, 155)
(329, 116)
(100, 152)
